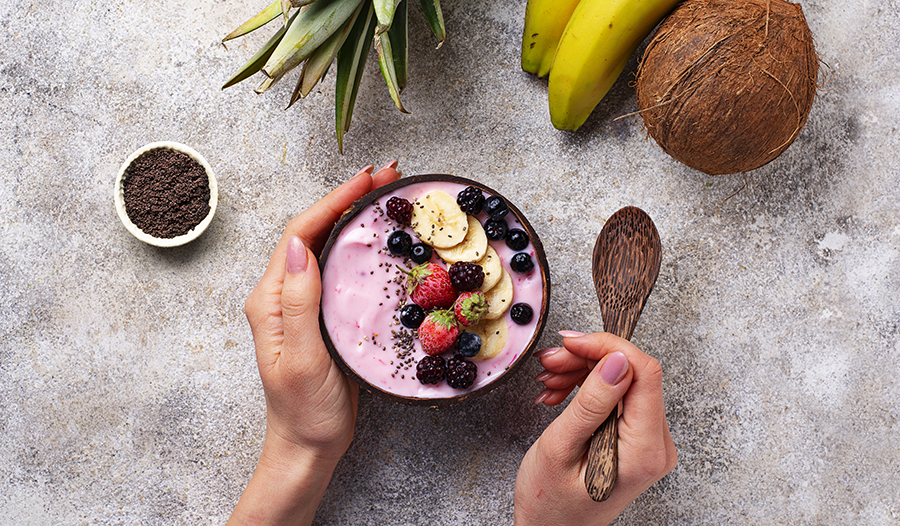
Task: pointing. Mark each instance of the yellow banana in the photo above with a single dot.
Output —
(598, 41)
(545, 21)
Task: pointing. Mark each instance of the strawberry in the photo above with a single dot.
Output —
(429, 287)
(470, 307)
(438, 332)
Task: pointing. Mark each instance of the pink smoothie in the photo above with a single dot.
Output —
(362, 290)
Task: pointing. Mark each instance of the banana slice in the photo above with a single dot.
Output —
(493, 335)
(493, 269)
(499, 297)
(438, 220)
(472, 248)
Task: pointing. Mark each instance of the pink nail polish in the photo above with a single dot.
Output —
(614, 368)
(571, 334)
(392, 164)
(297, 259)
(543, 376)
(547, 352)
(543, 396)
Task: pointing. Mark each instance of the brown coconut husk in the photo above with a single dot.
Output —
(725, 86)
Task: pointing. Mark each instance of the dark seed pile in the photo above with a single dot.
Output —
(166, 193)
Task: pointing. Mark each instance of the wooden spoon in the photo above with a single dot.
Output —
(625, 266)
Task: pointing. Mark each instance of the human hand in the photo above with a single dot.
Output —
(310, 404)
(550, 486)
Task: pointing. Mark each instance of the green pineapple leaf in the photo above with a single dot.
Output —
(435, 18)
(257, 61)
(316, 66)
(260, 19)
(351, 60)
(391, 69)
(384, 10)
(308, 30)
(399, 33)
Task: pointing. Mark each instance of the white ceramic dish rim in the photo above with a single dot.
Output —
(195, 232)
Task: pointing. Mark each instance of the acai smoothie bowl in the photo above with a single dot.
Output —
(435, 289)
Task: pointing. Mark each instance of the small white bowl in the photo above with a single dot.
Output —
(174, 241)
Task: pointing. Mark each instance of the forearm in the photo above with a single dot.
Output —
(285, 488)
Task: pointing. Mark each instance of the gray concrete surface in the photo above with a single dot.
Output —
(128, 388)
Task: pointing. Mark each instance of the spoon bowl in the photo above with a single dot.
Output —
(625, 266)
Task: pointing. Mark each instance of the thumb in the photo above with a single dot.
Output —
(300, 297)
(597, 398)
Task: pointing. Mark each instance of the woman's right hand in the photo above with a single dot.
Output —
(550, 487)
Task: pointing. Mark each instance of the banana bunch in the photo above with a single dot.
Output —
(584, 46)
(317, 33)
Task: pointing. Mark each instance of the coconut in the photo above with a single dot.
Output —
(725, 86)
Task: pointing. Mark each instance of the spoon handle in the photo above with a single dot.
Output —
(603, 453)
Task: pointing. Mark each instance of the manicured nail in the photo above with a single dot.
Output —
(543, 396)
(543, 376)
(297, 259)
(614, 368)
(364, 170)
(393, 164)
(571, 334)
(547, 352)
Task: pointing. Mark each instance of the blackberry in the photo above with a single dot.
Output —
(399, 243)
(431, 369)
(517, 239)
(521, 313)
(466, 276)
(420, 253)
(400, 210)
(521, 263)
(495, 207)
(496, 229)
(461, 373)
(469, 344)
(411, 316)
(470, 200)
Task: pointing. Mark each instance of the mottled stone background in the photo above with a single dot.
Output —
(128, 388)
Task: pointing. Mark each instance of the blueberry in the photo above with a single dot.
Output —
(517, 239)
(411, 316)
(495, 207)
(469, 344)
(420, 253)
(521, 313)
(521, 263)
(496, 229)
(399, 243)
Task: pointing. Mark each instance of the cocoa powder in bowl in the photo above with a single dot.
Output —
(166, 192)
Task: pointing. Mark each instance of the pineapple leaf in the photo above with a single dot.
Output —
(384, 10)
(351, 60)
(387, 63)
(286, 9)
(257, 61)
(260, 19)
(435, 18)
(399, 34)
(317, 64)
(305, 33)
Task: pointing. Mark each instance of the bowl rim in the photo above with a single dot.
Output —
(542, 265)
(194, 233)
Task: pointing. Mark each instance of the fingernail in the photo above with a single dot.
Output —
(297, 259)
(543, 376)
(543, 396)
(392, 164)
(547, 352)
(571, 334)
(614, 368)
(364, 170)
